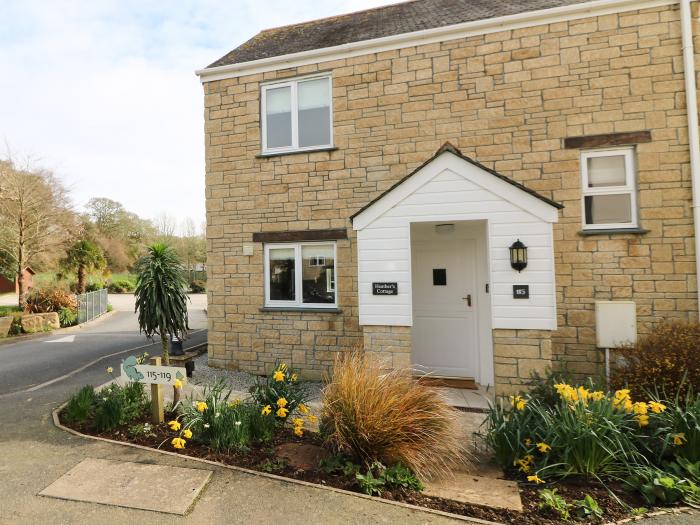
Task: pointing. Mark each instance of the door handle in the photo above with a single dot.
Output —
(468, 298)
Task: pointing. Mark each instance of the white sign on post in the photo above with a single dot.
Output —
(157, 375)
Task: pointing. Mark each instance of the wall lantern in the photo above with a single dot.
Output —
(518, 256)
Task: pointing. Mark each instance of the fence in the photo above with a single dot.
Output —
(91, 305)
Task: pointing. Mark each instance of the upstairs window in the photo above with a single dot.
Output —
(296, 115)
(300, 275)
(609, 193)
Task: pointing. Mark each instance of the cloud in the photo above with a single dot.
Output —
(104, 92)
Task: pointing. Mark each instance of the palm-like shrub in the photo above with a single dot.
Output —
(161, 296)
(374, 415)
(82, 257)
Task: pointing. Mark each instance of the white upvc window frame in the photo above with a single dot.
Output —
(298, 276)
(293, 85)
(629, 187)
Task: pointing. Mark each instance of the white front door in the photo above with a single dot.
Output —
(444, 333)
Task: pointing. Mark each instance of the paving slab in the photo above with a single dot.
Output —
(159, 488)
(477, 490)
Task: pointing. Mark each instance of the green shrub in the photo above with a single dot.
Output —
(198, 286)
(379, 477)
(374, 415)
(553, 503)
(121, 286)
(16, 326)
(587, 508)
(80, 406)
(659, 486)
(49, 299)
(67, 317)
(282, 392)
(223, 425)
(117, 405)
(667, 359)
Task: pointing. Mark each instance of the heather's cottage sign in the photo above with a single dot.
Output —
(385, 288)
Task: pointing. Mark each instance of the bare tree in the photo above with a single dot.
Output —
(165, 225)
(35, 215)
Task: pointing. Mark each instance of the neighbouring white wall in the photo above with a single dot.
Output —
(451, 189)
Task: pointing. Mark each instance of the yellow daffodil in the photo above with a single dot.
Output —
(642, 419)
(278, 375)
(313, 419)
(597, 395)
(656, 407)
(267, 410)
(543, 447)
(281, 402)
(294, 377)
(177, 384)
(303, 409)
(298, 431)
(201, 406)
(528, 442)
(529, 458)
(178, 443)
(187, 433)
(582, 393)
(524, 467)
(518, 402)
(640, 408)
(282, 412)
(298, 422)
(535, 479)
(174, 425)
(283, 366)
(679, 439)
(235, 403)
(110, 369)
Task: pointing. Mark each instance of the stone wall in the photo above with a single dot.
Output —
(518, 353)
(390, 344)
(508, 100)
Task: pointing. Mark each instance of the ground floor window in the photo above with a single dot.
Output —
(300, 275)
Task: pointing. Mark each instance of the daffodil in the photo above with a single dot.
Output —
(518, 402)
(656, 407)
(283, 366)
(187, 433)
(298, 422)
(278, 375)
(281, 402)
(528, 442)
(234, 403)
(312, 419)
(298, 431)
(679, 439)
(282, 412)
(177, 384)
(640, 408)
(597, 395)
(303, 409)
(642, 419)
(524, 467)
(110, 369)
(178, 443)
(174, 425)
(543, 447)
(535, 479)
(294, 377)
(201, 406)
(267, 410)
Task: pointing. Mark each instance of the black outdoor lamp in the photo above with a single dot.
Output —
(518, 256)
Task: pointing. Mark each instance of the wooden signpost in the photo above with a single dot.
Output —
(156, 376)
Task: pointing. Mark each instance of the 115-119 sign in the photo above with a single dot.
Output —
(155, 375)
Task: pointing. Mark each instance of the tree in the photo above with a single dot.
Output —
(161, 295)
(36, 217)
(83, 256)
(105, 214)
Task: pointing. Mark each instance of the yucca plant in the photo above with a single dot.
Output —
(386, 416)
(161, 295)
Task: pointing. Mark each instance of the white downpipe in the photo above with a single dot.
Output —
(691, 103)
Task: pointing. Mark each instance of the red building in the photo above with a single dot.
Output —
(9, 286)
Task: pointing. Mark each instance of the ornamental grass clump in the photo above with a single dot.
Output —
(373, 415)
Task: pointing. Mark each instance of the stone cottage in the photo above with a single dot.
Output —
(472, 188)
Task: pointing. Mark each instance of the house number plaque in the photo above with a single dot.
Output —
(521, 291)
(385, 288)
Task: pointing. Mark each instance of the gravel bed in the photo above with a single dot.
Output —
(240, 381)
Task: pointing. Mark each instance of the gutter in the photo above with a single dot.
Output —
(691, 103)
(428, 36)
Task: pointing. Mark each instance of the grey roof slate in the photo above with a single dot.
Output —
(395, 19)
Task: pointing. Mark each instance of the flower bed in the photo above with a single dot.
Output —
(378, 431)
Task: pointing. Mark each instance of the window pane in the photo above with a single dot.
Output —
(282, 274)
(318, 274)
(314, 112)
(608, 209)
(278, 108)
(606, 171)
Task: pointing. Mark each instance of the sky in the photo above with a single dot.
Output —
(103, 92)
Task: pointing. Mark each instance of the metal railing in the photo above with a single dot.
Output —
(91, 305)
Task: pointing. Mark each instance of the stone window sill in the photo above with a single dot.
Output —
(613, 231)
(295, 152)
(301, 310)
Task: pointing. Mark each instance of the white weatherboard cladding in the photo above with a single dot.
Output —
(451, 189)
